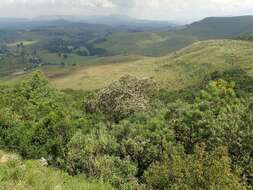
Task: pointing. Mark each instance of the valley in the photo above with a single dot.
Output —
(125, 104)
(177, 70)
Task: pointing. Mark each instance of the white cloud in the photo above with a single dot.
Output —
(152, 9)
(191, 9)
(84, 3)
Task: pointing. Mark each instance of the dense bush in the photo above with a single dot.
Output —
(201, 170)
(133, 137)
(122, 98)
(58, 46)
(82, 52)
(217, 118)
(242, 79)
(35, 119)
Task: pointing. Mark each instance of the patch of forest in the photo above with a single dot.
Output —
(133, 135)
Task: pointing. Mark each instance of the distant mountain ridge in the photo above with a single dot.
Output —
(221, 27)
(31, 24)
(116, 21)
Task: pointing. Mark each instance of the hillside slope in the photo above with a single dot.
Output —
(220, 27)
(152, 44)
(28, 175)
(178, 70)
(157, 44)
(101, 134)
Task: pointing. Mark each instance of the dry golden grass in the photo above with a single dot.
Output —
(94, 77)
(178, 70)
(98, 76)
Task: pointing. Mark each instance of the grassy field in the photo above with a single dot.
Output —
(175, 71)
(146, 43)
(73, 59)
(122, 44)
(94, 77)
(29, 175)
(25, 43)
(55, 59)
(12, 72)
(178, 70)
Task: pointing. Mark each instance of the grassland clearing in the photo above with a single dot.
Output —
(25, 43)
(181, 69)
(178, 70)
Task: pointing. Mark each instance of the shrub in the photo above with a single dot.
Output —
(94, 155)
(34, 119)
(217, 118)
(201, 170)
(122, 98)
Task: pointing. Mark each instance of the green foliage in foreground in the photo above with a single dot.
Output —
(208, 170)
(30, 175)
(36, 120)
(205, 142)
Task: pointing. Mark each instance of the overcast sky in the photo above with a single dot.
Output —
(147, 9)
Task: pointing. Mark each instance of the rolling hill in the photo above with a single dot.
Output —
(181, 69)
(85, 141)
(128, 49)
(163, 43)
(220, 27)
(145, 43)
(117, 39)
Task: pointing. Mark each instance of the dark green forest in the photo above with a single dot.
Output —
(133, 135)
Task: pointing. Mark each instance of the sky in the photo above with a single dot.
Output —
(173, 10)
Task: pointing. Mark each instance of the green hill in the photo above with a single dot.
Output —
(145, 43)
(178, 70)
(204, 60)
(162, 43)
(213, 54)
(67, 43)
(220, 27)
